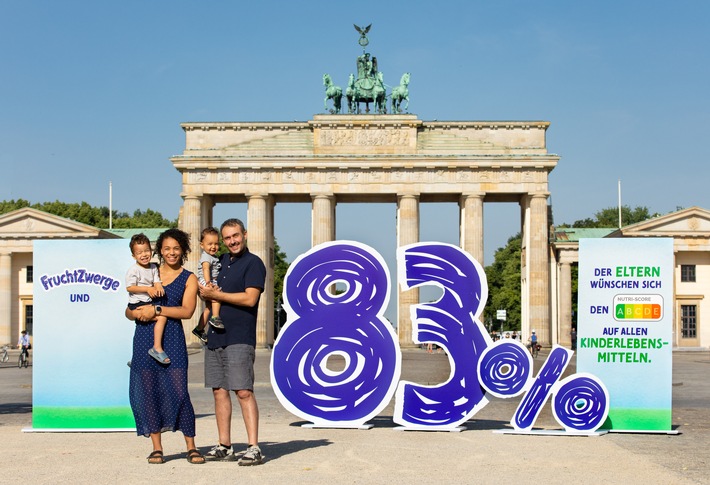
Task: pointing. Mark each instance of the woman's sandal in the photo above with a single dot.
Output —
(195, 457)
(156, 458)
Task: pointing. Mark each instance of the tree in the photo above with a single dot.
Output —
(504, 285)
(609, 217)
(280, 269)
(149, 218)
(13, 205)
(93, 216)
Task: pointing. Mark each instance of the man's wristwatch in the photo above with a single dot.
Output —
(158, 309)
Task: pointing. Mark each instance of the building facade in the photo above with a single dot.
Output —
(398, 159)
(337, 159)
(690, 230)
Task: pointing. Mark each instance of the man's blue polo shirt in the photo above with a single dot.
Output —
(245, 270)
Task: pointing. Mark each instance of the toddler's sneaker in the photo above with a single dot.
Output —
(200, 334)
(216, 322)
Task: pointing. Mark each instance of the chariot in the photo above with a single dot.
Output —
(369, 87)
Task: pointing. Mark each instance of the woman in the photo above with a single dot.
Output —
(158, 392)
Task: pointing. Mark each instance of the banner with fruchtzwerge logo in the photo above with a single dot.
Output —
(82, 340)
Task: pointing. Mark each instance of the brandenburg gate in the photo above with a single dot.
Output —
(398, 158)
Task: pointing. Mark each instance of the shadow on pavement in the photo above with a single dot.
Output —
(274, 451)
(16, 408)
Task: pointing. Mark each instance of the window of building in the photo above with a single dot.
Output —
(688, 321)
(687, 273)
(28, 319)
(30, 274)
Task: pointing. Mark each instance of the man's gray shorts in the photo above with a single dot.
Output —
(230, 368)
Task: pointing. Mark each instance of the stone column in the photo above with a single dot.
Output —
(565, 296)
(270, 303)
(191, 223)
(471, 225)
(260, 238)
(539, 267)
(207, 207)
(322, 218)
(6, 299)
(407, 233)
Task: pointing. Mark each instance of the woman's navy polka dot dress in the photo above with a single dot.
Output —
(158, 392)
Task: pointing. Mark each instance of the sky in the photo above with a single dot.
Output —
(93, 93)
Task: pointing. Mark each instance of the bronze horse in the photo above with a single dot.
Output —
(401, 93)
(332, 92)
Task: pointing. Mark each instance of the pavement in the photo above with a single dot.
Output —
(379, 455)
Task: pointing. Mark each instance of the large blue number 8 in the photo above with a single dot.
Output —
(322, 324)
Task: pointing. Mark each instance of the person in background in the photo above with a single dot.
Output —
(23, 343)
(573, 335)
(533, 340)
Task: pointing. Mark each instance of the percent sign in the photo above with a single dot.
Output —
(581, 401)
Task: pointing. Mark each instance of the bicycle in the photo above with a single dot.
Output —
(4, 357)
(24, 359)
(534, 349)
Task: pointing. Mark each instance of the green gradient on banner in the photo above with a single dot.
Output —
(49, 417)
(638, 419)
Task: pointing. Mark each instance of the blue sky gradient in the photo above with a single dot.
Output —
(94, 92)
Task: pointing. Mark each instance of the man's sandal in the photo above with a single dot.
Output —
(156, 458)
(195, 457)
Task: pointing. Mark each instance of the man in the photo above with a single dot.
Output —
(573, 337)
(229, 357)
(533, 340)
(23, 343)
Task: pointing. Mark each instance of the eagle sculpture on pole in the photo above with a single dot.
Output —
(363, 41)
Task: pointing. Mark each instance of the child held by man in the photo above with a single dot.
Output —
(207, 272)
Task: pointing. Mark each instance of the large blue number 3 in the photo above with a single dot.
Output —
(452, 323)
(350, 325)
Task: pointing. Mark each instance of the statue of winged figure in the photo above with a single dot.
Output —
(363, 41)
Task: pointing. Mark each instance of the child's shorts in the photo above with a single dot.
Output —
(133, 306)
